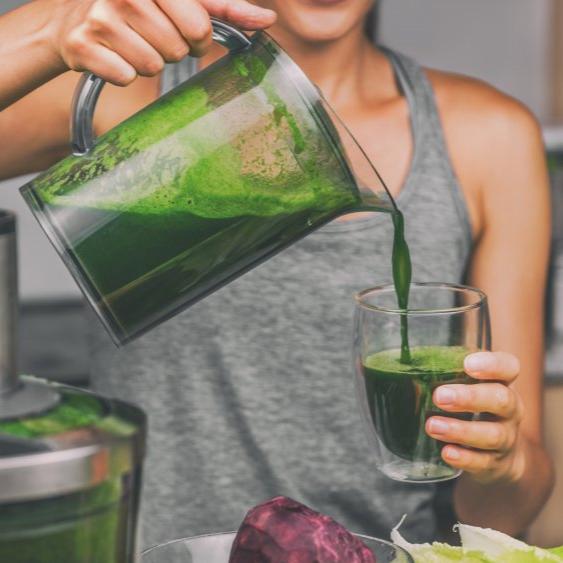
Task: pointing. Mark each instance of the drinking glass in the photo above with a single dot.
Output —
(444, 323)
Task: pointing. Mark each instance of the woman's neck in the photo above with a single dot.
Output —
(343, 69)
(338, 67)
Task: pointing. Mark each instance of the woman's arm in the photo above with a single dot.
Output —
(499, 154)
(116, 39)
(27, 54)
(510, 265)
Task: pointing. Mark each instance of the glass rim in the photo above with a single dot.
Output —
(155, 548)
(360, 296)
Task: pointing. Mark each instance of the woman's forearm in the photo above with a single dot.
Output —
(511, 506)
(27, 57)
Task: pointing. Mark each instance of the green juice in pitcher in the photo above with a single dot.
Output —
(144, 259)
(204, 184)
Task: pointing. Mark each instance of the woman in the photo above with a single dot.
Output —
(248, 392)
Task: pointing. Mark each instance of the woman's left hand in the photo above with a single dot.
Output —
(489, 449)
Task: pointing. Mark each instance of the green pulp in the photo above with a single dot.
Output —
(74, 411)
(186, 195)
(400, 396)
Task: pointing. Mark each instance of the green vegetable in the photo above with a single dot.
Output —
(478, 545)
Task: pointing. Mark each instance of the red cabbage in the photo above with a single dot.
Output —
(282, 530)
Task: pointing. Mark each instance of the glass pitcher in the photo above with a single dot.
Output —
(226, 170)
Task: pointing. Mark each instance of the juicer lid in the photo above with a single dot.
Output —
(34, 467)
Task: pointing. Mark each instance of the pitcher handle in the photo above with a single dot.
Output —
(89, 87)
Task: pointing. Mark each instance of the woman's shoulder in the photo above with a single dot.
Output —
(468, 105)
(487, 133)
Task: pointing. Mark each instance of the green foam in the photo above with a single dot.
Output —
(177, 155)
(424, 359)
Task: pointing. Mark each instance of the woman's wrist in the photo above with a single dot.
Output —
(45, 38)
(28, 52)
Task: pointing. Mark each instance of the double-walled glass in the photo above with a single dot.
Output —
(445, 324)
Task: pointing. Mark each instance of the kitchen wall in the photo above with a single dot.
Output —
(6, 5)
(42, 275)
(504, 42)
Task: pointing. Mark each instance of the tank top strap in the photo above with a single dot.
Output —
(417, 89)
(430, 149)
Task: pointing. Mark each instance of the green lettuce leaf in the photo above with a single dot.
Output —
(479, 545)
(501, 547)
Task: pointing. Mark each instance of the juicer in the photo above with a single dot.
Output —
(70, 460)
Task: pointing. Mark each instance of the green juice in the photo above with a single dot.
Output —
(402, 275)
(85, 527)
(399, 396)
(185, 196)
(143, 266)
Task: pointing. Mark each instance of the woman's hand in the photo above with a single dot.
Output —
(489, 449)
(119, 39)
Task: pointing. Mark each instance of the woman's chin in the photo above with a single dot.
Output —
(322, 28)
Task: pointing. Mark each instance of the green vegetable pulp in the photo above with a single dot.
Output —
(399, 396)
(74, 411)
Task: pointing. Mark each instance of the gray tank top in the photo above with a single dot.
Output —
(250, 392)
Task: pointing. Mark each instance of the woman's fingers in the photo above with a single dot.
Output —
(495, 436)
(192, 21)
(134, 49)
(493, 398)
(240, 13)
(151, 23)
(468, 460)
(481, 447)
(104, 62)
(499, 366)
(143, 33)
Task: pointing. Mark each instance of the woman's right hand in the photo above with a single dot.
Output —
(120, 39)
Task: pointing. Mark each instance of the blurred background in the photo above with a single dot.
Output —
(516, 45)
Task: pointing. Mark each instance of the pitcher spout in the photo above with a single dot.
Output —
(373, 192)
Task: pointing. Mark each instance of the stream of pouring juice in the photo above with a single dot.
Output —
(400, 263)
(402, 274)
(401, 266)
